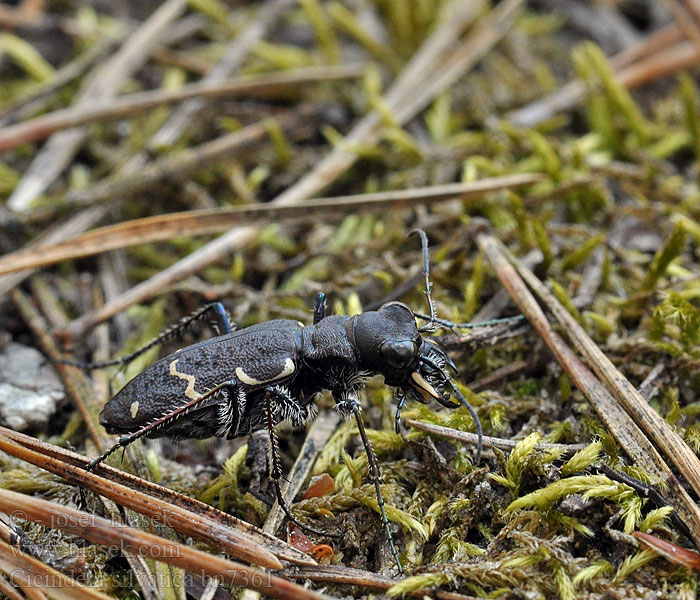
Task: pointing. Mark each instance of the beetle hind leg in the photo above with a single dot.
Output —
(160, 422)
(222, 325)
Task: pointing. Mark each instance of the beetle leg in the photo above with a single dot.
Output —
(397, 419)
(320, 307)
(166, 419)
(229, 415)
(374, 469)
(286, 408)
(222, 325)
(276, 463)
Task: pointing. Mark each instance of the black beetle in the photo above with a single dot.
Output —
(254, 378)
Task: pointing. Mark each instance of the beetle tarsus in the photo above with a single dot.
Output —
(397, 418)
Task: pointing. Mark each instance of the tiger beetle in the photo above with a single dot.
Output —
(250, 379)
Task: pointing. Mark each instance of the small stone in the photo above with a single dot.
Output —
(30, 390)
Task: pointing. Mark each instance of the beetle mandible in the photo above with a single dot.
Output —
(254, 378)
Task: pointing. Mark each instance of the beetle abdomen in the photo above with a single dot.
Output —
(261, 355)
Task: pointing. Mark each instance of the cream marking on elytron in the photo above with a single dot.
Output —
(190, 379)
(248, 380)
(134, 409)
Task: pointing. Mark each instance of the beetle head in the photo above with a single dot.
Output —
(388, 342)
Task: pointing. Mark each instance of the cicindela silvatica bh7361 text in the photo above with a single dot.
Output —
(254, 378)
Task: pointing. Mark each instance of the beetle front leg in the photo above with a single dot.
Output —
(320, 307)
(376, 475)
(397, 418)
(347, 403)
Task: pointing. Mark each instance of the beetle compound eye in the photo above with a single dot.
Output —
(398, 355)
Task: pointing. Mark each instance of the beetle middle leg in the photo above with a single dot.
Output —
(277, 395)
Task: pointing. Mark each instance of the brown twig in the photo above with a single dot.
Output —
(483, 337)
(10, 592)
(75, 381)
(656, 41)
(506, 372)
(32, 574)
(202, 222)
(140, 486)
(234, 542)
(662, 53)
(658, 430)
(234, 56)
(106, 82)
(340, 575)
(685, 21)
(183, 163)
(102, 531)
(36, 98)
(237, 51)
(647, 388)
(75, 225)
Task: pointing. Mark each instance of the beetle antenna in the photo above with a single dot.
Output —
(472, 412)
(374, 469)
(426, 274)
(447, 380)
(453, 326)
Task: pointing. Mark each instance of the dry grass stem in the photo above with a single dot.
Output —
(103, 85)
(208, 221)
(278, 547)
(263, 86)
(488, 441)
(236, 543)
